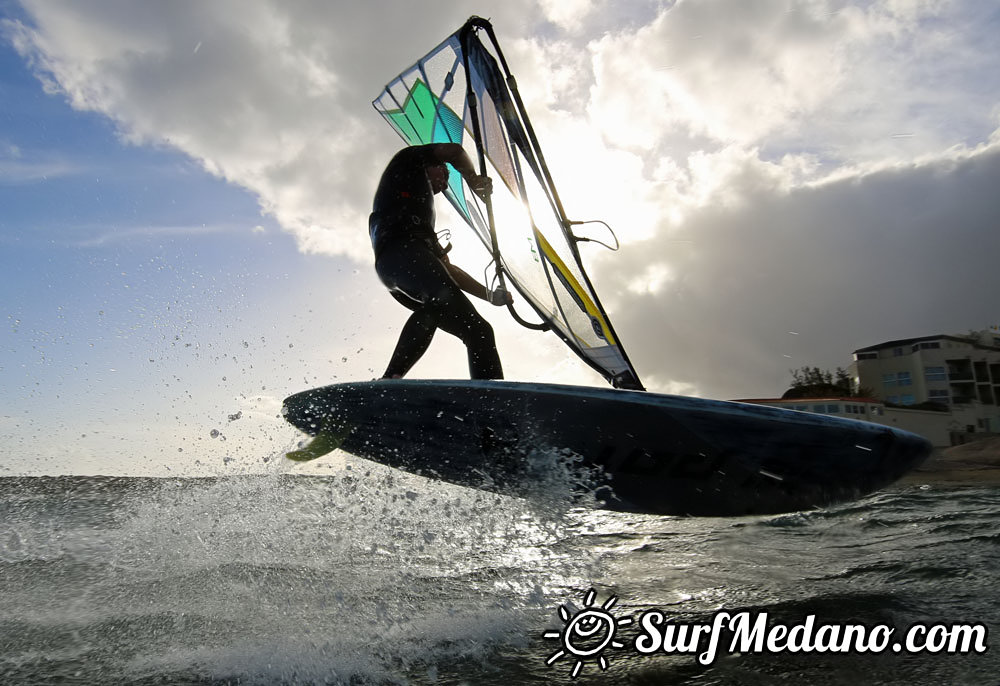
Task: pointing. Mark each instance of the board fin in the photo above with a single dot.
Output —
(326, 441)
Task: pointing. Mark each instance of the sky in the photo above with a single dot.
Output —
(184, 190)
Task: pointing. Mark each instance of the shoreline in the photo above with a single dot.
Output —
(973, 464)
(976, 476)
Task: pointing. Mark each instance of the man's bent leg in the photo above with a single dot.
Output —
(419, 281)
(457, 316)
(413, 342)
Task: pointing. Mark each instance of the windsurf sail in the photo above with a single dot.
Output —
(463, 92)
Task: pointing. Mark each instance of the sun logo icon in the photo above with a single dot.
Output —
(587, 633)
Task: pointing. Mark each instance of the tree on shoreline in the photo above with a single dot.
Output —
(813, 382)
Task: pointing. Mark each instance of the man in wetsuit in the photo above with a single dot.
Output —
(415, 268)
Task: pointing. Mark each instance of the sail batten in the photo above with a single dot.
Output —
(462, 92)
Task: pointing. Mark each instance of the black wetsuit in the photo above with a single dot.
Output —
(408, 260)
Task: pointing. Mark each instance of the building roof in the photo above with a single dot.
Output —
(921, 339)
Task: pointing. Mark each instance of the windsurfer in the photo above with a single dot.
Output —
(415, 268)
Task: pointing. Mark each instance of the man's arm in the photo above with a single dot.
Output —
(471, 286)
(455, 155)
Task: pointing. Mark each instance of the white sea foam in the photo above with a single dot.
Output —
(368, 573)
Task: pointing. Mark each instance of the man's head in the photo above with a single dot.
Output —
(438, 176)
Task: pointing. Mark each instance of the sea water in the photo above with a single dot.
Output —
(371, 576)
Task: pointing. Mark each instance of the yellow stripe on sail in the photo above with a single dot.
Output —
(578, 289)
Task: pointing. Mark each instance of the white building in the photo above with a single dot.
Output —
(950, 370)
(867, 409)
(957, 373)
(942, 429)
(943, 387)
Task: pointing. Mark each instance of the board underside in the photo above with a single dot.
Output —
(636, 451)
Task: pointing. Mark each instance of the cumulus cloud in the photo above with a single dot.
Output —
(832, 79)
(271, 96)
(569, 14)
(801, 163)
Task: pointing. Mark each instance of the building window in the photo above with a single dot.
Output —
(819, 408)
(907, 400)
(894, 399)
(897, 352)
(935, 373)
(867, 356)
(900, 379)
(833, 409)
(933, 345)
(938, 396)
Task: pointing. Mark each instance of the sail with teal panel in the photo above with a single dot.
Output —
(463, 92)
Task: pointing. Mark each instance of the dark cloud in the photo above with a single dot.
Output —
(805, 277)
